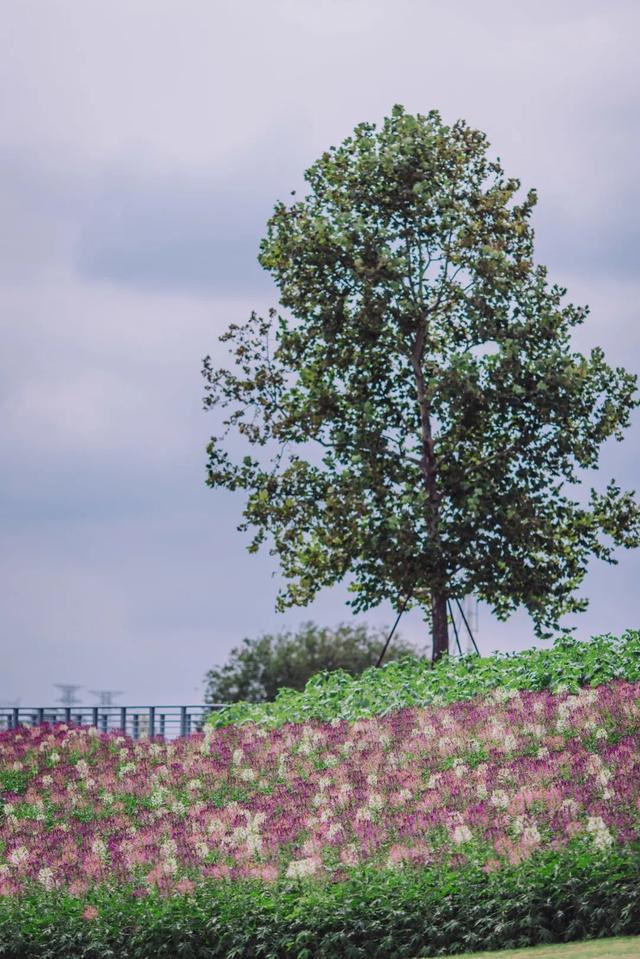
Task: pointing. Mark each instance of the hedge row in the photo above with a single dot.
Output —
(380, 914)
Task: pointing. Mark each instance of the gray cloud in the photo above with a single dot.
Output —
(142, 147)
(177, 232)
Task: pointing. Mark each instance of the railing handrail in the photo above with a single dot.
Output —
(142, 720)
(60, 706)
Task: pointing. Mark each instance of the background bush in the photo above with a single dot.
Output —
(258, 668)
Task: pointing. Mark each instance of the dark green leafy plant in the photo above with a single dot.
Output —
(259, 668)
(372, 914)
(429, 361)
(567, 665)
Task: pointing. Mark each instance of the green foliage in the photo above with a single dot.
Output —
(416, 413)
(372, 914)
(13, 780)
(259, 668)
(568, 665)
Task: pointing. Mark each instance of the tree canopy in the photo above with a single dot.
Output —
(258, 668)
(428, 359)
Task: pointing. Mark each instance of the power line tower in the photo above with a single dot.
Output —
(105, 696)
(68, 693)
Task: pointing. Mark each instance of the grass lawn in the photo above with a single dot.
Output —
(619, 948)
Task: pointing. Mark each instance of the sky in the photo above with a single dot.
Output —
(143, 144)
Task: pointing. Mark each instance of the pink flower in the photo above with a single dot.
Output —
(184, 886)
(90, 913)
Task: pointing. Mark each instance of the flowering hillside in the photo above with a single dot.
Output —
(489, 782)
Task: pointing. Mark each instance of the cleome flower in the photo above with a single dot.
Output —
(315, 799)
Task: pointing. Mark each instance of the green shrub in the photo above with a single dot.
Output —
(567, 665)
(384, 914)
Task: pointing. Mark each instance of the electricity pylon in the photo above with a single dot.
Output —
(105, 696)
(68, 693)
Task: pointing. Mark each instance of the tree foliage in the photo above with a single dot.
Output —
(258, 668)
(427, 358)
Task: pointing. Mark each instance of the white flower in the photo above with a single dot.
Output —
(168, 848)
(500, 799)
(604, 776)
(248, 775)
(597, 829)
(18, 856)
(202, 850)
(45, 877)
(158, 796)
(298, 869)
(462, 834)
(531, 835)
(169, 867)
(99, 848)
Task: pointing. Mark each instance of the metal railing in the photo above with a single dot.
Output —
(137, 721)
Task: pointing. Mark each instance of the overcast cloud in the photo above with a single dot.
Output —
(143, 144)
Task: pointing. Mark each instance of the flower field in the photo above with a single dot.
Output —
(411, 811)
(490, 782)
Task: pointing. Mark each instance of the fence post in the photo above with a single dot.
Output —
(94, 716)
(136, 726)
(152, 721)
(123, 718)
(16, 717)
(40, 716)
(67, 714)
(162, 723)
(104, 722)
(183, 720)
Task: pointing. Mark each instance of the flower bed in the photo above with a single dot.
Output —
(485, 783)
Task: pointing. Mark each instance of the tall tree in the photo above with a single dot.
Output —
(428, 359)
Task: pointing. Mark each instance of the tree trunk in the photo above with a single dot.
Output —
(440, 625)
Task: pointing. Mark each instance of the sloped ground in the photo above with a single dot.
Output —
(488, 781)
